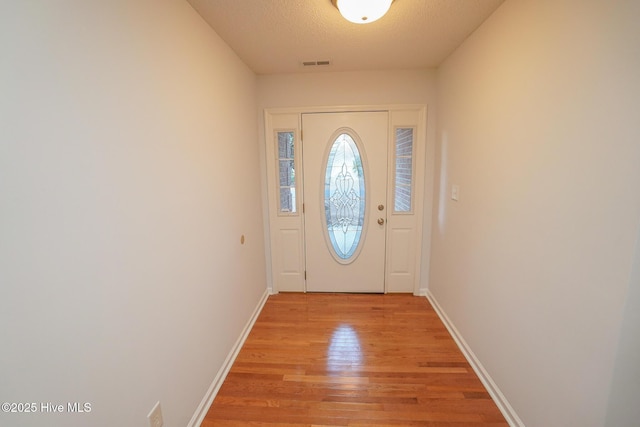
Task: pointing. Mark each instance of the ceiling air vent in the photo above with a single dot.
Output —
(316, 63)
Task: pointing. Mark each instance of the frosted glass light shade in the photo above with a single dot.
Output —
(363, 11)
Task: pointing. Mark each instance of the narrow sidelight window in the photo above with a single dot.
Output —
(404, 170)
(287, 172)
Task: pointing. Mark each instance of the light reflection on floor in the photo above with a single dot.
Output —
(345, 351)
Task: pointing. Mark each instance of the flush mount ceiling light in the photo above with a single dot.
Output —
(362, 11)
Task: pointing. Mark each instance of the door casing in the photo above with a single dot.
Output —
(286, 234)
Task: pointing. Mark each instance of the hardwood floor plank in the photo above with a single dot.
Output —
(352, 361)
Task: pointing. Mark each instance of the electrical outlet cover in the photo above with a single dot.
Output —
(155, 416)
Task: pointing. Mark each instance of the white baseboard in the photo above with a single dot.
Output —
(207, 400)
(507, 410)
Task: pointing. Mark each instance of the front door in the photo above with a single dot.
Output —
(345, 193)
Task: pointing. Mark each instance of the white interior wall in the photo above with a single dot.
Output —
(327, 89)
(128, 171)
(537, 124)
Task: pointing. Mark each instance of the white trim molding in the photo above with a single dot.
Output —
(207, 400)
(501, 401)
(405, 231)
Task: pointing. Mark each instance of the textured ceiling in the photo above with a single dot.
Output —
(276, 36)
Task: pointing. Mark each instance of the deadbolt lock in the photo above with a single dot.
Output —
(380, 207)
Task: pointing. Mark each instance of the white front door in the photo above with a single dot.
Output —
(345, 194)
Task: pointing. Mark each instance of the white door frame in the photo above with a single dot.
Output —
(286, 228)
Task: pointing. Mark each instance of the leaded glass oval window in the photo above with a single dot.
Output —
(344, 197)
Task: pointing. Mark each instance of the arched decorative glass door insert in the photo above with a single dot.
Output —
(344, 197)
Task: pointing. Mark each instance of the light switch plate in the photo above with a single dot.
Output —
(455, 192)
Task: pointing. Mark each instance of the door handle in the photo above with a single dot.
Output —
(380, 221)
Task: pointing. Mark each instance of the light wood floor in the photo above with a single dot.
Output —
(351, 360)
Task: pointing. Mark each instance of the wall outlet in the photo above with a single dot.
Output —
(155, 416)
